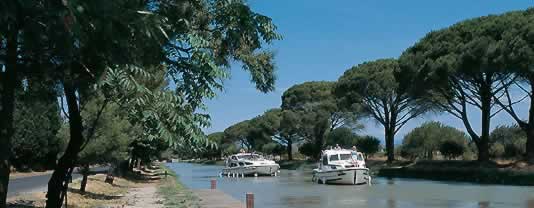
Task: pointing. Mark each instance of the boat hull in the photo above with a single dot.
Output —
(263, 170)
(352, 176)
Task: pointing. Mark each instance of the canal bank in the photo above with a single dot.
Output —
(518, 174)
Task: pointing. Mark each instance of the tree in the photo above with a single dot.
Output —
(315, 113)
(239, 132)
(195, 39)
(424, 140)
(468, 65)
(37, 119)
(373, 87)
(342, 136)
(111, 138)
(451, 149)
(512, 138)
(368, 145)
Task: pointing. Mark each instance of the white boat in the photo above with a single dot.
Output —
(341, 166)
(248, 164)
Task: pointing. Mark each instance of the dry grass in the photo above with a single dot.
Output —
(97, 194)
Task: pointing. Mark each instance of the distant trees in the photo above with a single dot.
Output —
(423, 141)
(508, 142)
(315, 113)
(451, 149)
(368, 145)
(373, 87)
(473, 64)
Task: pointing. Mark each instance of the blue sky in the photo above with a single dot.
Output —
(322, 39)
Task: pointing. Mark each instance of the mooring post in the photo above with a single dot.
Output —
(250, 200)
(213, 184)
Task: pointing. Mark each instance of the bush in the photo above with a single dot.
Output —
(311, 150)
(496, 150)
(424, 140)
(368, 145)
(451, 149)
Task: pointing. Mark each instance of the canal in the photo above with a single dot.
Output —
(294, 189)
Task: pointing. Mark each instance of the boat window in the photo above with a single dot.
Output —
(325, 160)
(360, 157)
(250, 157)
(344, 156)
(234, 158)
(233, 165)
(241, 164)
(334, 157)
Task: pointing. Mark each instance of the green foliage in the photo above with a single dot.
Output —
(424, 140)
(497, 150)
(310, 111)
(37, 120)
(310, 149)
(512, 138)
(272, 148)
(373, 89)
(342, 136)
(368, 145)
(451, 149)
(472, 63)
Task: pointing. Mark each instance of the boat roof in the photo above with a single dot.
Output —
(337, 151)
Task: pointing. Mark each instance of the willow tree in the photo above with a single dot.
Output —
(466, 66)
(373, 87)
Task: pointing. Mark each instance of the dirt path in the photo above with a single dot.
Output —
(144, 197)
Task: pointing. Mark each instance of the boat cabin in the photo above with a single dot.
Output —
(335, 159)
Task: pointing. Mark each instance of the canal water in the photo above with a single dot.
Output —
(294, 189)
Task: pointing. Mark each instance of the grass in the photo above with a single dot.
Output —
(174, 193)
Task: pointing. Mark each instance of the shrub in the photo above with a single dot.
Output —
(368, 145)
(451, 149)
(496, 150)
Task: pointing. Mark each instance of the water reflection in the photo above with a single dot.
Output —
(294, 189)
(484, 204)
(391, 203)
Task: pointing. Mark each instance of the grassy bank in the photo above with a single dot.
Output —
(461, 171)
(174, 193)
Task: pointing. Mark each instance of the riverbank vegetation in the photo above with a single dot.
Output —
(78, 89)
(174, 193)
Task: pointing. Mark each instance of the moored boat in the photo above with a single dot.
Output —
(249, 164)
(341, 166)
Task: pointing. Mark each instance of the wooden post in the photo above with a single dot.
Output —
(213, 184)
(250, 200)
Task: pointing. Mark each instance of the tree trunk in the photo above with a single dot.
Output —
(530, 126)
(483, 143)
(289, 149)
(57, 184)
(84, 170)
(390, 145)
(8, 81)
(84, 183)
